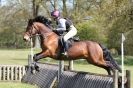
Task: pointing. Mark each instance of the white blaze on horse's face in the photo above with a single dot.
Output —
(26, 37)
(30, 31)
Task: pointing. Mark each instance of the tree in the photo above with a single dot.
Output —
(109, 18)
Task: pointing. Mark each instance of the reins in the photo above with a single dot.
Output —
(43, 35)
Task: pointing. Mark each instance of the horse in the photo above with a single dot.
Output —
(92, 51)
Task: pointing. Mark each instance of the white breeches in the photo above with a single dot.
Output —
(71, 33)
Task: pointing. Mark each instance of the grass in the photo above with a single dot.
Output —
(19, 57)
(15, 85)
(14, 57)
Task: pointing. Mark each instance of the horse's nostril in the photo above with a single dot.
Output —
(24, 39)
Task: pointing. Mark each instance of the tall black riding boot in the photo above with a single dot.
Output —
(65, 44)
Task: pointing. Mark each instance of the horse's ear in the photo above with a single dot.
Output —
(49, 21)
(30, 21)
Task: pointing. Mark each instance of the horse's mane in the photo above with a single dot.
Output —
(43, 20)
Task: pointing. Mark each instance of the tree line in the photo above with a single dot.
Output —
(102, 21)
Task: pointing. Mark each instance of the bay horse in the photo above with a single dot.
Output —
(92, 51)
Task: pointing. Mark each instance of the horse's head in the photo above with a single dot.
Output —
(38, 25)
(31, 30)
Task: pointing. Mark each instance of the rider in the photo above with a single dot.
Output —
(64, 25)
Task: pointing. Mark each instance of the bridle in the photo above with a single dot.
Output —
(34, 28)
(30, 32)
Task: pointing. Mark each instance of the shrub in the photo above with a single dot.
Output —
(87, 31)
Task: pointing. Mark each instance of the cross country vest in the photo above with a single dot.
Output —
(68, 24)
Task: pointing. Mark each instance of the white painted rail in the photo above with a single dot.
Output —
(12, 72)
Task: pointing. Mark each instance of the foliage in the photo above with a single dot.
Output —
(11, 39)
(128, 60)
(87, 31)
(121, 23)
(109, 18)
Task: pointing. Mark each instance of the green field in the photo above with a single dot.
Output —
(19, 57)
(15, 85)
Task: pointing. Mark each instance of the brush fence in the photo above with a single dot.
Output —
(47, 78)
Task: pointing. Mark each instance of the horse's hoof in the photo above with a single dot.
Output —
(33, 71)
(35, 58)
(37, 68)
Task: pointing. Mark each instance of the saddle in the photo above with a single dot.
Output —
(69, 42)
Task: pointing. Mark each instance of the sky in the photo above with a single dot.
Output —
(3, 2)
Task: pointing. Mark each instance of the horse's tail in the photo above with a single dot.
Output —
(108, 57)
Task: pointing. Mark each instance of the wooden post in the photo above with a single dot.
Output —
(71, 65)
(23, 70)
(8, 73)
(115, 79)
(0, 73)
(4, 73)
(12, 73)
(128, 76)
(53, 83)
(61, 69)
(37, 41)
(16, 71)
(30, 60)
(20, 73)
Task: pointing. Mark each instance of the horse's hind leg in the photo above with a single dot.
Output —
(112, 68)
(106, 66)
(108, 69)
(103, 65)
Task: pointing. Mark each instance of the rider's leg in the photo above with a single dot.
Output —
(70, 34)
(65, 44)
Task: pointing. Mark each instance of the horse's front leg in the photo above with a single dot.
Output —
(41, 55)
(37, 57)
